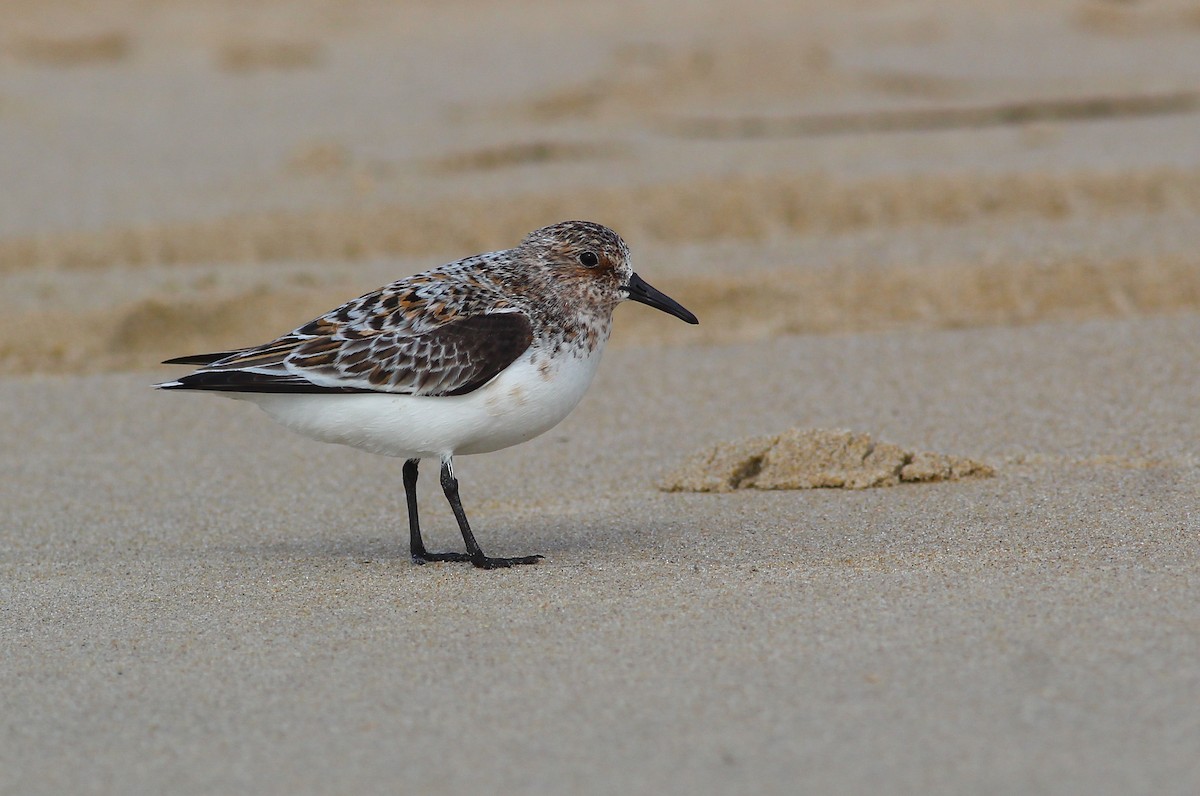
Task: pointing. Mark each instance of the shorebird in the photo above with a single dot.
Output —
(469, 357)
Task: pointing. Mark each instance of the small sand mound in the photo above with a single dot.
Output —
(813, 458)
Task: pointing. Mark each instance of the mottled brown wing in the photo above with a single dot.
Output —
(452, 359)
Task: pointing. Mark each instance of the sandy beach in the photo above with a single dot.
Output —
(961, 228)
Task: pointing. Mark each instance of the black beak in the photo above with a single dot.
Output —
(640, 291)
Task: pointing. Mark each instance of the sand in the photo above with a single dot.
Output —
(814, 458)
(959, 228)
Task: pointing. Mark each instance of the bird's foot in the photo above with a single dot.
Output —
(425, 557)
(484, 562)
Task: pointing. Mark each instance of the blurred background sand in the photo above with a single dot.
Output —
(187, 174)
(963, 227)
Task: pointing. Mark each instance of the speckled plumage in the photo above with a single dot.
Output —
(447, 330)
(469, 357)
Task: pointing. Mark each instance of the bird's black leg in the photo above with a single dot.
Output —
(450, 487)
(416, 546)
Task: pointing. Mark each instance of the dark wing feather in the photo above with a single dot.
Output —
(200, 359)
(249, 381)
(455, 358)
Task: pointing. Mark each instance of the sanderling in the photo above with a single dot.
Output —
(470, 357)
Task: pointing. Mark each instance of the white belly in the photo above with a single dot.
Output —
(519, 404)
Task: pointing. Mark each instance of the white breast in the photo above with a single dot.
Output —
(522, 402)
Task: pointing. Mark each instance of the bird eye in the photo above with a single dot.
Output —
(589, 259)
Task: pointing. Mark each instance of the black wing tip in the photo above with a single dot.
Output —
(198, 359)
(245, 381)
(194, 381)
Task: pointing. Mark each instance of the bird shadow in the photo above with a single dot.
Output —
(554, 542)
